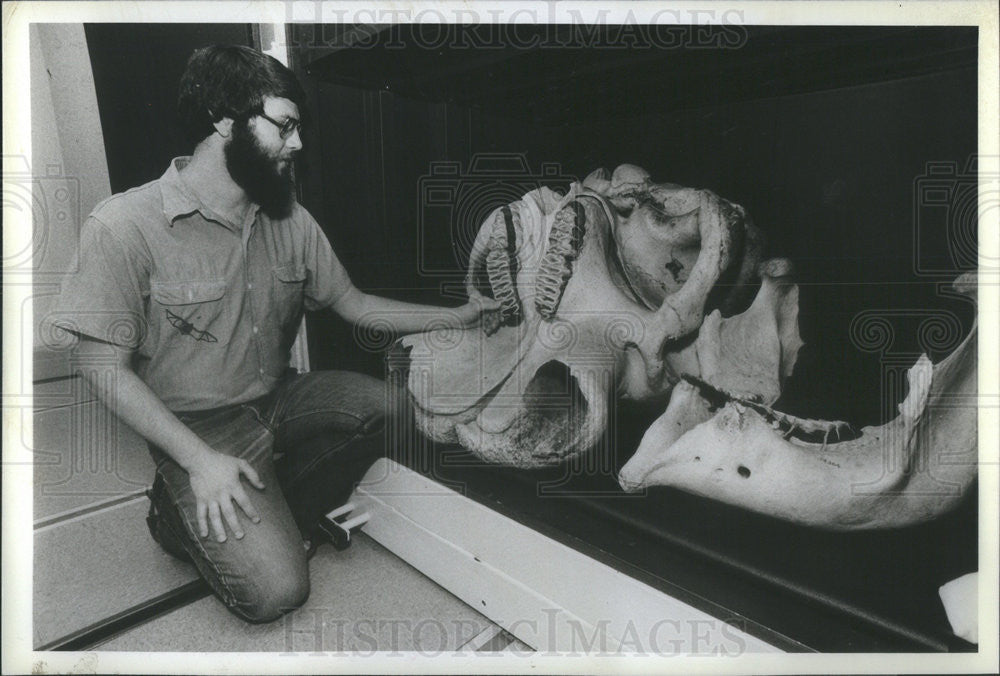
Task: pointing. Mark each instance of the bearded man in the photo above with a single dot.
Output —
(189, 295)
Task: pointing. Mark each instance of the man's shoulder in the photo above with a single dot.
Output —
(132, 206)
(298, 221)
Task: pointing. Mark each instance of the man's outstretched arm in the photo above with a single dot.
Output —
(365, 309)
(215, 478)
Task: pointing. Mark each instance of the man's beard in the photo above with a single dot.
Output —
(254, 170)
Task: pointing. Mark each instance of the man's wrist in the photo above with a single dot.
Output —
(195, 457)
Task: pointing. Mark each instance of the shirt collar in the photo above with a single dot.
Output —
(178, 200)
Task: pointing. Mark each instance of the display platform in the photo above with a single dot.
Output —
(553, 597)
(799, 588)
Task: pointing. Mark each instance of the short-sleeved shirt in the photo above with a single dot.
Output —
(211, 307)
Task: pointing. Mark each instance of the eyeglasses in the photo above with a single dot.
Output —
(286, 128)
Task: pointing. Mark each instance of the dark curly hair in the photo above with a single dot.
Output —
(231, 81)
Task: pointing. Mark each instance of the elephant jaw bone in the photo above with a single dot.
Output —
(905, 472)
(748, 355)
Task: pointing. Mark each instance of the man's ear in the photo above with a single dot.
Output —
(224, 127)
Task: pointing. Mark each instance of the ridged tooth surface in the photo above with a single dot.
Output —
(802, 428)
(556, 267)
(501, 264)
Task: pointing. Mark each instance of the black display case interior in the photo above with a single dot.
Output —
(828, 136)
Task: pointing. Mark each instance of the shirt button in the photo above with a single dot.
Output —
(249, 286)
(255, 329)
(261, 371)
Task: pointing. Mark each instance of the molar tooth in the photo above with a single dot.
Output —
(556, 268)
(501, 264)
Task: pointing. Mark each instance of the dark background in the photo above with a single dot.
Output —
(853, 148)
(137, 69)
(825, 135)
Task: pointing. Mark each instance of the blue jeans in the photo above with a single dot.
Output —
(310, 440)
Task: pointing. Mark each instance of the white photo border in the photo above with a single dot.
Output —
(18, 656)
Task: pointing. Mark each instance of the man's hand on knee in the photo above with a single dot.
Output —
(215, 481)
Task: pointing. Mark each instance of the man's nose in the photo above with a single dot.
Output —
(294, 142)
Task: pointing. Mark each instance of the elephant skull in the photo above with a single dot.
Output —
(603, 293)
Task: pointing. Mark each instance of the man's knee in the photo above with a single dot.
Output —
(369, 399)
(358, 396)
(274, 598)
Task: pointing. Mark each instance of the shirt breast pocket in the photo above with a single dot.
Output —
(289, 292)
(195, 311)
